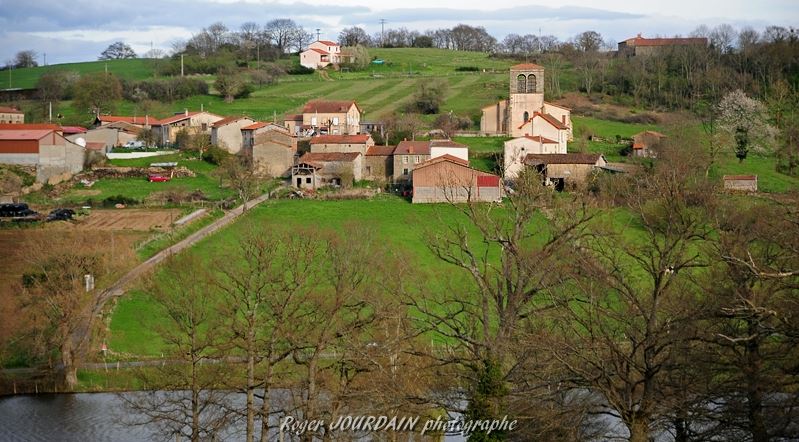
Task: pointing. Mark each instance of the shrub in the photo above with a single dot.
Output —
(215, 155)
(112, 201)
(467, 69)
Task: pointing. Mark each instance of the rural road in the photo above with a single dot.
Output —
(81, 335)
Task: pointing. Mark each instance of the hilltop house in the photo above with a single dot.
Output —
(326, 118)
(323, 53)
(10, 115)
(639, 45)
(54, 157)
(526, 112)
(227, 133)
(450, 179)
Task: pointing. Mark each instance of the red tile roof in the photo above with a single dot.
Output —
(24, 134)
(341, 139)
(413, 148)
(445, 143)
(95, 145)
(69, 130)
(31, 126)
(10, 110)
(381, 151)
(321, 157)
(177, 117)
(549, 119)
(641, 41)
(562, 158)
(740, 177)
(228, 120)
(540, 139)
(525, 66)
(328, 42)
(320, 51)
(293, 117)
(132, 120)
(328, 107)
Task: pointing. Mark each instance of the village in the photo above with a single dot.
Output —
(555, 236)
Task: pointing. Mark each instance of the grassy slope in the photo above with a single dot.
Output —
(135, 69)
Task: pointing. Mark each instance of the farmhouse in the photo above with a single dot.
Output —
(54, 157)
(379, 163)
(314, 170)
(526, 112)
(744, 183)
(110, 135)
(323, 53)
(517, 149)
(450, 179)
(273, 150)
(226, 133)
(192, 122)
(645, 143)
(639, 45)
(10, 115)
(328, 117)
(408, 154)
(248, 133)
(559, 169)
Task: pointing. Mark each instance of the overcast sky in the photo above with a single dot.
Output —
(78, 30)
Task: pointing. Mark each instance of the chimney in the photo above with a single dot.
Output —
(639, 35)
(186, 112)
(146, 120)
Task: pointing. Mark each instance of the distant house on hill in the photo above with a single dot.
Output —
(323, 53)
(645, 143)
(639, 45)
(10, 115)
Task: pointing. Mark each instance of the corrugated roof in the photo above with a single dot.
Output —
(24, 134)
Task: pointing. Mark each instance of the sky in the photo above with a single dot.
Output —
(78, 30)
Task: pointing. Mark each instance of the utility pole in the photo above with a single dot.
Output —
(45, 58)
(317, 34)
(181, 65)
(382, 32)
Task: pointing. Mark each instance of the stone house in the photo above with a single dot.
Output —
(192, 122)
(639, 45)
(293, 122)
(314, 170)
(10, 115)
(248, 133)
(226, 133)
(450, 179)
(526, 100)
(273, 152)
(54, 157)
(743, 183)
(342, 143)
(410, 153)
(645, 143)
(559, 169)
(379, 163)
(331, 117)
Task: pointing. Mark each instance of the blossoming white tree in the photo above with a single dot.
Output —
(746, 120)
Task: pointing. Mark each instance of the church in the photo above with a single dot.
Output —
(537, 127)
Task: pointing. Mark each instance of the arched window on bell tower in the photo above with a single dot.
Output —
(521, 84)
(531, 84)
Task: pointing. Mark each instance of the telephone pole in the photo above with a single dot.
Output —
(382, 32)
(317, 34)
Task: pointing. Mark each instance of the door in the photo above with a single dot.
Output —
(299, 182)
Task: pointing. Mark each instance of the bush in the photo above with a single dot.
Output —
(215, 155)
(112, 201)
(467, 69)
(429, 96)
(300, 70)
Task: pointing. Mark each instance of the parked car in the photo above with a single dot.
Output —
(154, 178)
(134, 144)
(60, 215)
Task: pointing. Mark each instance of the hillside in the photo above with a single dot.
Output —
(26, 78)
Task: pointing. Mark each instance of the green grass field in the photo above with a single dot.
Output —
(134, 69)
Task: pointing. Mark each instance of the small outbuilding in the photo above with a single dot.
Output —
(450, 179)
(743, 183)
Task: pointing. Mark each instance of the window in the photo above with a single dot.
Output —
(521, 84)
(404, 171)
(404, 160)
(308, 180)
(313, 121)
(205, 126)
(531, 83)
(335, 121)
(526, 116)
(416, 160)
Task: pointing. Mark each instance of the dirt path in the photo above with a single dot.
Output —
(81, 335)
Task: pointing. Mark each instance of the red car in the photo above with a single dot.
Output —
(158, 178)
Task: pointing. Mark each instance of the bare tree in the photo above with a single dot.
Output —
(188, 397)
(238, 173)
(25, 59)
(282, 32)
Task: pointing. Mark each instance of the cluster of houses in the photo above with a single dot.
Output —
(328, 143)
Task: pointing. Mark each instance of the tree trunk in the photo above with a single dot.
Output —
(68, 361)
(754, 395)
(639, 430)
(250, 386)
(195, 404)
(311, 404)
(266, 405)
